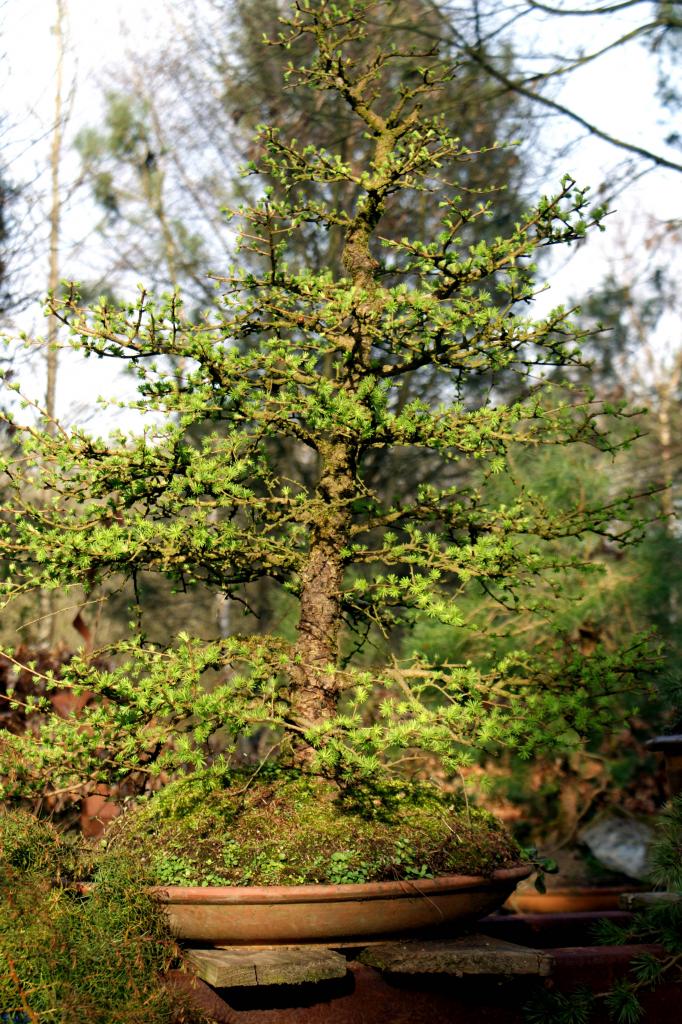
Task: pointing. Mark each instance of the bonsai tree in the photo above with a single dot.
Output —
(204, 495)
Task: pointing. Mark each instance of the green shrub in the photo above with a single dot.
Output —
(660, 923)
(28, 844)
(666, 851)
(66, 958)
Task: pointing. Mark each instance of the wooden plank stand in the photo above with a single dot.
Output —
(247, 966)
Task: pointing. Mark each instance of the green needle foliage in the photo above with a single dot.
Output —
(666, 852)
(300, 359)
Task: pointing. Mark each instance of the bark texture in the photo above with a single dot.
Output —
(315, 686)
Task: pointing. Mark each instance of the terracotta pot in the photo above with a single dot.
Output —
(268, 915)
(97, 812)
(573, 900)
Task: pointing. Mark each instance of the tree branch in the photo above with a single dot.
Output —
(529, 93)
(579, 12)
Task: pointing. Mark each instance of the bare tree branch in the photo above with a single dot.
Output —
(587, 58)
(529, 91)
(606, 9)
(593, 129)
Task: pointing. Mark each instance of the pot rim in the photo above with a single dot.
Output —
(324, 893)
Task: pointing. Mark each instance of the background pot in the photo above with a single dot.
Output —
(571, 899)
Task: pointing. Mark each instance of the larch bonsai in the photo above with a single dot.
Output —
(300, 360)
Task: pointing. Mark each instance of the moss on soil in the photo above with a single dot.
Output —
(284, 830)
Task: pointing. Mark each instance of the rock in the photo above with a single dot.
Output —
(470, 954)
(619, 843)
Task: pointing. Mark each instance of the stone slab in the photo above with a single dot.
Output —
(469, 955)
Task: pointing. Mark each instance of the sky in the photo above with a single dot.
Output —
(616, 92)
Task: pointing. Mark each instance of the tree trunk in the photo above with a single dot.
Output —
(46, 629)
(55, 217)
(315, 686)
(667, 394)
(668, 390)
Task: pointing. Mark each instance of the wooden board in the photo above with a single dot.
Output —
(239, 966)
(471, 954)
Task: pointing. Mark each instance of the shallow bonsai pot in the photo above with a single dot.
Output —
(280, 914)
(569, 899)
